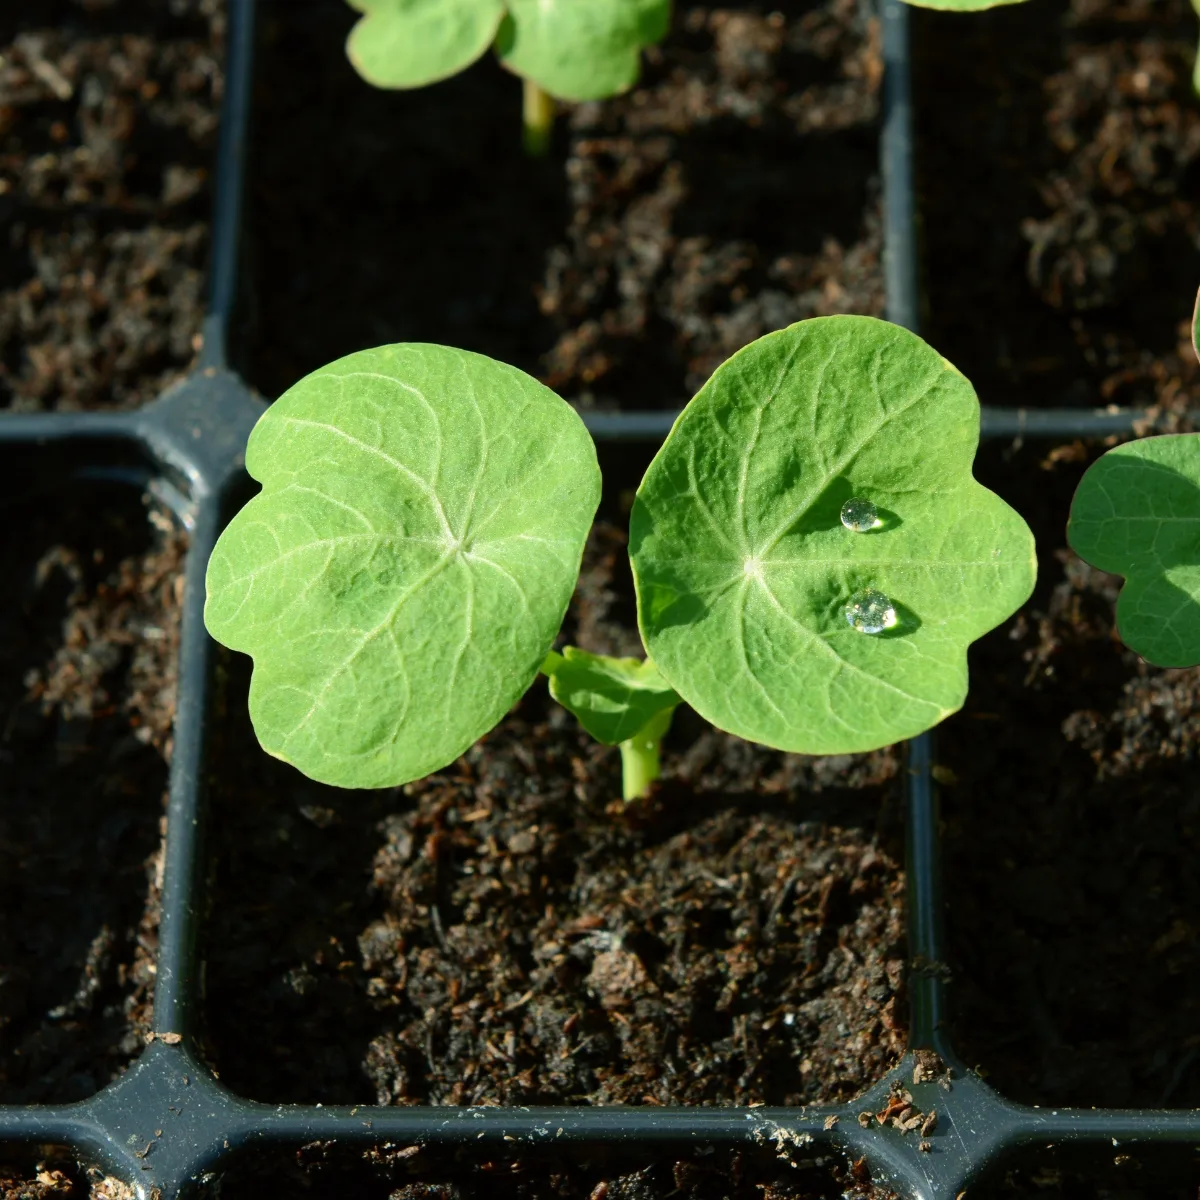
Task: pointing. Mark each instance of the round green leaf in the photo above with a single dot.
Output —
(580, 49)
(612, 698)
(1136, 513)
(410, 43)
(406, 567)
(744, 568)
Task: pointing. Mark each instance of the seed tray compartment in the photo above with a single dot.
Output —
(168, 1126)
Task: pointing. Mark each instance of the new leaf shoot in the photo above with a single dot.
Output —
(770, 616)
(405, 569)
(621, 702)
(1136, 513)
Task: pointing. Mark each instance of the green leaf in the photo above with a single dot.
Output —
(407, 565)
(961, 5)
(410, 43)
(580, 49)
(613, 698)
(744, 569)
(1196, 306)
(654, 20)
(1136, 513)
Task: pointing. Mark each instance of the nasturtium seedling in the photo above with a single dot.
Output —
(564, 49)
(759, 605)
(1136, 513)
(621, 702)
(404, 571)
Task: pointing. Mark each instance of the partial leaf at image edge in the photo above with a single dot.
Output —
(744, 570)
(412, 43)
(1136, 513)
(405, 569)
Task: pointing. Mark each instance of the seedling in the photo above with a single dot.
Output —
(564, 49)
(1136, 513)
(811, 553)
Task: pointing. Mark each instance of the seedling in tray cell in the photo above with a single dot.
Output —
(811, 555)
(564, 49)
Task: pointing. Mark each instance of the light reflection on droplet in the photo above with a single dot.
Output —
(870, 611)
(860, 515)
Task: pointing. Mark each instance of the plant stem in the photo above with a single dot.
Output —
(538, 115)
(639, 756)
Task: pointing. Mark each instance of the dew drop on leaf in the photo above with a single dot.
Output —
(860, 515)
(870, 611)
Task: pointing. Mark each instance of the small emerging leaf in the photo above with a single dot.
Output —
(1136, 513)
(580, 49)
(406, 567)
(613, 698)
(748, 580)
(411, 43)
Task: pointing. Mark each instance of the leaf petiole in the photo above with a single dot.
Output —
(537, 113)
(640, 765)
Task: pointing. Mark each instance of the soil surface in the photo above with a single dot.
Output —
(412, 1173)
(732, 192)
(108, 118)
(507, 931)
(1072, 815)
(88, 642)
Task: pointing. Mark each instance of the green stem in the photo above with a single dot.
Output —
(640, 756)
(538, 115)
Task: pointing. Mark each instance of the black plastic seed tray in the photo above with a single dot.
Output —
(168, 1124)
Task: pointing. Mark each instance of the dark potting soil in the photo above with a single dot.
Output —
(732, 192)
(108, 117)
(88, 641)
(507, 931)
(585, 1173)
(1066, 172)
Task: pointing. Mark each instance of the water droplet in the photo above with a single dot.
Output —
(860, 515)
(870, 611)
